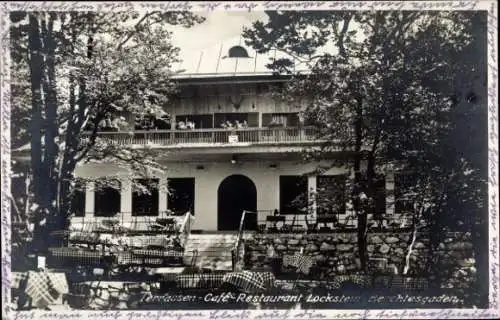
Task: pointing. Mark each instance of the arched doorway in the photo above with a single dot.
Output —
(236, 193)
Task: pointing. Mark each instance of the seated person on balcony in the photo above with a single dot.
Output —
(245, 124)
(190, 125)
(238, 125)
(181, 125)
(274, 123)
(107, 124)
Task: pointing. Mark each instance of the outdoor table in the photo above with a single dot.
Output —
(42, 288)
(296, 226)
(168, 274)
(166, 221)
(200, 280)
(164, 224)
(88, 238)
(326, 219)
(275, 219)
(107, 226)
(158, 253)
(301, 262)
(247, 281)
(73, 256)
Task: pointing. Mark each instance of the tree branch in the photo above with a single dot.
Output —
(342, 34)
(136, 28)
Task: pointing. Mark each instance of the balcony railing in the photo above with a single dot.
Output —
(209, 136)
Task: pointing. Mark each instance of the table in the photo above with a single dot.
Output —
(326, 219)
(42, 288)
(275, 219)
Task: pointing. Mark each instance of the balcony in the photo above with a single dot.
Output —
(210, 137)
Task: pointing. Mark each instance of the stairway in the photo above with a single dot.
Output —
(214, 250)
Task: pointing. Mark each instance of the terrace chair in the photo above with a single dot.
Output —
(274, 220)
(326, 220)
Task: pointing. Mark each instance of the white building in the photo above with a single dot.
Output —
(217, 172)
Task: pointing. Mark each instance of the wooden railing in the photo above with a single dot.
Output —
(208, 136)
(185, 229)
(236, 251)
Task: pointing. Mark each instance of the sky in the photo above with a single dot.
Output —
(218, 27)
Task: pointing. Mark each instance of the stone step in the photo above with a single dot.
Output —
(213, 250)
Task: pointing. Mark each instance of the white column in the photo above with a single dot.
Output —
(126, 200)
(311, 187)
(172, 121)
(163, 194)
(89, 199)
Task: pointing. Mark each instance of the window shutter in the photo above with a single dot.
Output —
(293, 120)
(253, 119)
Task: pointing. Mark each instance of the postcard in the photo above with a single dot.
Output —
(249, 160)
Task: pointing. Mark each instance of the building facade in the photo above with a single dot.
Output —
(228, 144)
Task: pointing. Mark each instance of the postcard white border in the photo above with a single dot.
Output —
(494, 298)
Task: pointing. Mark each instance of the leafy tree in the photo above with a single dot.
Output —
(385, 88)
(72, 71)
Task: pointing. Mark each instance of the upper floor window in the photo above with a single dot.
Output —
(198, 121)
(280, 119)
(151, 121)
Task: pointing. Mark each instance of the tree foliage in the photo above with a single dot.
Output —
(72, 71)
(394, 89)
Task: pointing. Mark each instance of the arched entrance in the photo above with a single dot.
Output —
(236, 193)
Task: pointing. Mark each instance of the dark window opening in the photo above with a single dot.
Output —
(331, 194)
(293, 194)
(78, 199)
(200, 121)
(223, 120)
(107, 198)
(380, 196)
(150, 121)
(402, 194)
(181, 195)
(145, 197)
(280, 119)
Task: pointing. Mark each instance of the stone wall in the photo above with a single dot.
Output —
(335, 254)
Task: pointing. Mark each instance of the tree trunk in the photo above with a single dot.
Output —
(78, 117)
(51, 148)
(357, 188)
(35, 126)
(411, 243)
(72, 140)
